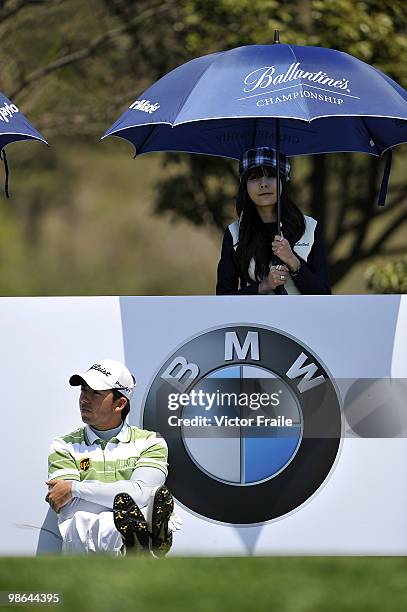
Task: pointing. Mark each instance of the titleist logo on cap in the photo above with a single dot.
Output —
(99, 368)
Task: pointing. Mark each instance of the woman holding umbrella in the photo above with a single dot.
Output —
(254, 258)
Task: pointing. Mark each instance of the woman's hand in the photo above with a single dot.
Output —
(277, 276)
(282, 249)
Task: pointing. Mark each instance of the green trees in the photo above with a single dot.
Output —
(390, 277)
(340, 190)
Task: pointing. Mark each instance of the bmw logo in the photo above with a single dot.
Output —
(245, 462)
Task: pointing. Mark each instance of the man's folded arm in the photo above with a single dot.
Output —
(139, 487)
(150, 471)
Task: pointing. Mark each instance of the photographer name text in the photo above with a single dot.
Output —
(224, 421)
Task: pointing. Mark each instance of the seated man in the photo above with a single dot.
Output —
(106, 480)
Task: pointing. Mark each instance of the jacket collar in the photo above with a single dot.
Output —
(123, 435)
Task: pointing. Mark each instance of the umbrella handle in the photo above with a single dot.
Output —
(278, 176)
(385, 179)
(3, 156)
(277, 42)
(280, 289)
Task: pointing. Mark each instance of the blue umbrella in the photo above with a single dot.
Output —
(13, 127)
(301, 100)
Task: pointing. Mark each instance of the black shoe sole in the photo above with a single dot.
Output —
(130, 522)
(161, 538)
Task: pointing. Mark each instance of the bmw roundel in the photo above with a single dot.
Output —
(252, 421)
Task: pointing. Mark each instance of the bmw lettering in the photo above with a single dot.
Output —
(252, 420)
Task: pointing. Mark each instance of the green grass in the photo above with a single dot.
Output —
(278, 584)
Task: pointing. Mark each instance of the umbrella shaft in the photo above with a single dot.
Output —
(278, 177)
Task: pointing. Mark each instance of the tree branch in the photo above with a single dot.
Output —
(10, 9)
(377, 247)
(384, 211)
(87, 51)
(340, 267)
(367, 210)
(345, 172)
(401, 250)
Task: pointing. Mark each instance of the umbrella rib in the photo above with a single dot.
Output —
(195, 84)
(144, 142)
(370, 134)
(265, 117)
(301, 86)
(29, 136)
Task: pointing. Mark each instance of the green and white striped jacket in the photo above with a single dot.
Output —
(81, 455)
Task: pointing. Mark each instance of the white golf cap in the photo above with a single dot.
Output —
(106, 374)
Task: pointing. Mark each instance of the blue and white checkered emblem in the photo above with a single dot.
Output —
(252, 421)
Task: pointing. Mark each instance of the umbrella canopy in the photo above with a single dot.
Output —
(227, 102)
(13, 127)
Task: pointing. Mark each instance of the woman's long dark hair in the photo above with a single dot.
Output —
(254, 241)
